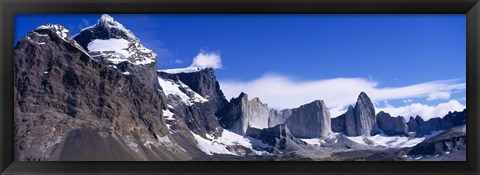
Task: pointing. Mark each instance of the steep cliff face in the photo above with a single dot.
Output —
(242, 113)
(350, 122)
(277, 117)
(310, 120)
(392, 126)
(62, 91)
(196, 98)
(366, 123)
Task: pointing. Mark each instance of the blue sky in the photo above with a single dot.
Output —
(391, 51)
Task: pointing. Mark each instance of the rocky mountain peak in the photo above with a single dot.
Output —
(107, 20)
(365, 120)
(109, 42)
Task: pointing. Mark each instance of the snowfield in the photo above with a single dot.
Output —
(377, 140)
(219, 145)
(119, 46)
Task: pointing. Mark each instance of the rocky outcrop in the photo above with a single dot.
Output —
(310, 120)
(365, 121)
(278, 138)
(60, 88)
(200, 114)
(358, 120)
(241, 114)
(392, 126)
(203, 82)
(350, 122)
(452, 140)
(422, 127)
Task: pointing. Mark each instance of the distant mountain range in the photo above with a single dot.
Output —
(98, 96)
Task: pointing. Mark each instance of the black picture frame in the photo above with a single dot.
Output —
(9, 8)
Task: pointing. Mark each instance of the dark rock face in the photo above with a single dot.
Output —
(350, 122)
(203, 82)
(278, 138)
(59, 88)
(392, 126)
(422, 128)
(338, 124)
(366, 123)
(241, 113)
(310, 120)
(201, 118)
(449, 141)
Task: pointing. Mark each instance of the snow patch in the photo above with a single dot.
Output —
(213, 145)
(391, 141)
(182, 70)
(168, 114)
(119, 46)
(172, 88)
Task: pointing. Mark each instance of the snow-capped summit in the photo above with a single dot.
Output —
(58, 29)
(51, 32)
(110, 42)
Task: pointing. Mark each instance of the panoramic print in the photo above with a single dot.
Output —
(166, 87)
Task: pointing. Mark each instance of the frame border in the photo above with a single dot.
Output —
(9, 8)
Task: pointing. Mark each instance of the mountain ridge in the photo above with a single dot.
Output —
(67, 95)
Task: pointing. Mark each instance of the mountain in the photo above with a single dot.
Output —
(358, 120)
(65, 99)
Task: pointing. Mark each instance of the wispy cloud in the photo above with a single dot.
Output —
(177, 61)
(286, 92)
(84, 24)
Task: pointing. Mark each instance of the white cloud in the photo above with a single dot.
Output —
(177, 61)
(207, 60)
(283, 92)
(408, 100)
(425, 111)
(438, 95)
